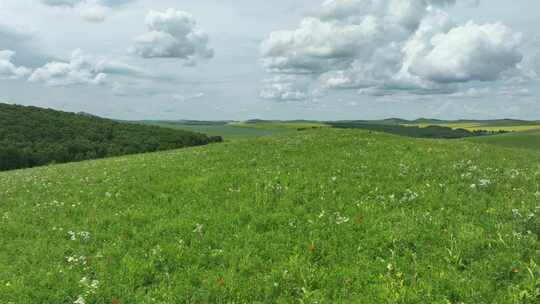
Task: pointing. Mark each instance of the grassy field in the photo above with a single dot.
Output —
(526, 140)
(322, 216)
(239, 130)
(227, 131)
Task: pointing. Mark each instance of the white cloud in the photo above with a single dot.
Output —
(81, 69)
(469, 52)
(94, 13)
(386, 46)
(7, 69)
(173, 34)
(285, 88)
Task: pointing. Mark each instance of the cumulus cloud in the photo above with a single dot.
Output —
(173, 34)
(383, 46)
(80, 69)
(7, 69)
(469, 52)
(285, 88)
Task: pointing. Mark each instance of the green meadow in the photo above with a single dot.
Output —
(522, 139)
(238, 130)
(319, 216)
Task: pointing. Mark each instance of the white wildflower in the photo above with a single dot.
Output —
(94, 284)
(514, 173)
(516, 212)
(80, 300)
(198, 229)
(85, 235)
(473, 186)
(484, 182)
(341, 219)
(72, 235)
(409, 196)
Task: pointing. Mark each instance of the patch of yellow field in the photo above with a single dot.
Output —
(479, 126)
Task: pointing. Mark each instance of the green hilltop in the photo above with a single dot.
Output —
(320, 216)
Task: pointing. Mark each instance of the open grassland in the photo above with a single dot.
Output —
(240, 130)
(486, 126)
(322, 216)
(525, 140)
(227, 131)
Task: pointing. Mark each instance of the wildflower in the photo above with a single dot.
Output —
(484, 182)
(409, 196)
(84, 281)
(341, 219)
(516, 212)
(94, 284)
(80, 300)
(84, 235)
(72, 235)
(198, 229)
(473, 186)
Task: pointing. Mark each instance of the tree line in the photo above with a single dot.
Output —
(31, 136)
(414, 131)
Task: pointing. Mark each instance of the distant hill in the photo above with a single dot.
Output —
(31, 136)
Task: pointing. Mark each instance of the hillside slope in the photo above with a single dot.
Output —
(322, 216)
(525, 140)
(31, 136)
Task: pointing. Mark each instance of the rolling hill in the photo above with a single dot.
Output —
(526, 140)
(31, 136)
(321, 216)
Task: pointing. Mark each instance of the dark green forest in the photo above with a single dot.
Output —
(412, 131)
(31, 136)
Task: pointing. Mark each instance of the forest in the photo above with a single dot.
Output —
(31, 136)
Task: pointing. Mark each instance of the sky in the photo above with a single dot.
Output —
(279, 59)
